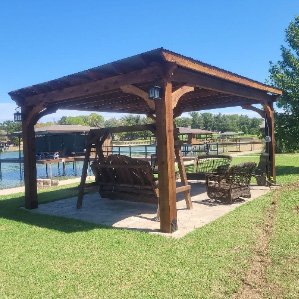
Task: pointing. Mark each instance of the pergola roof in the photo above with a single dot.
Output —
(85, 91)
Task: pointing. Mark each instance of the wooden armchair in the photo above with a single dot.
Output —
(231, 185)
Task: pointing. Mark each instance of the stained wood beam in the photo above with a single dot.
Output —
(166, 161)
(176, 95)
(270, 147)
(220, 85)
(95, 87)
(213, 71)
(131, 89)
(28, 136)
(32, 113)
(257, 110)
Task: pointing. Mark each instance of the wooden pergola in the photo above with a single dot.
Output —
(122, 86)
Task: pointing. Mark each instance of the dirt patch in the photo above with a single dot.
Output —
(255, 284)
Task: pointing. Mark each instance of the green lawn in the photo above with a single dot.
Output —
(45, 256)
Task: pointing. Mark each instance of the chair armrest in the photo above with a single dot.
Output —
(215, 177)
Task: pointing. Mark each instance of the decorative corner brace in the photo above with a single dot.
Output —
(176, 95)
(131, 89)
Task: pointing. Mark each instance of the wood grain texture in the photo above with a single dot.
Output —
(165, 154)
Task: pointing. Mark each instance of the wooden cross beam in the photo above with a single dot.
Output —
(96, 87)
(216, 84)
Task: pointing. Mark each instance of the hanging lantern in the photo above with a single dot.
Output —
(268, 139)
(18, 116)
(155, 93)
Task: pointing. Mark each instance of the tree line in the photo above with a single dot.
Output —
(206, 121)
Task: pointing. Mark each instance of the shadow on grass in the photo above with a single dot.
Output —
(11, 209)
(286, 170)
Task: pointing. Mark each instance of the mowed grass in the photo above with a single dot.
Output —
(45, 256)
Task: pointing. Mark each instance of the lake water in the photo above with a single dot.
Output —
(12, 174)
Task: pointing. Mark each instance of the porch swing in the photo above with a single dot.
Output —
(123, 177)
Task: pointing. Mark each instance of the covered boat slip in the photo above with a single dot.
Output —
(122, 86)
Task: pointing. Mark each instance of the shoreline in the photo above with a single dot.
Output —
(13, 149)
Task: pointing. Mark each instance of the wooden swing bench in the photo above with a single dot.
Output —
(123, 177)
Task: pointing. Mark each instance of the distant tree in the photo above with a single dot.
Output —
(197, 121)
(46, 124)
(96, 120)
(183, 121)
(208, 121)
(131, 120)
(285, 75)
(72, 120)
(145, 134)
(92, 120)
(10, 126)
(254, 126)
(244, 123)
(112, 122)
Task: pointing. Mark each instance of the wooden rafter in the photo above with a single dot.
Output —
(97, 87)
(212, 71)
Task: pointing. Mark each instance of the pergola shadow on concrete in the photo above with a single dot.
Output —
(122, 86)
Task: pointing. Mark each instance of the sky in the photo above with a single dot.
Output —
(44, 40)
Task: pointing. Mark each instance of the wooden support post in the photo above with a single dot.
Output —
(63, 166)
(165, 154)
(83, 178)
(270, 146)
(28, 135)
(184, 181)
(50, 171)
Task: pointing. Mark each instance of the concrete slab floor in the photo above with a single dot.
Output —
(142, 216)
